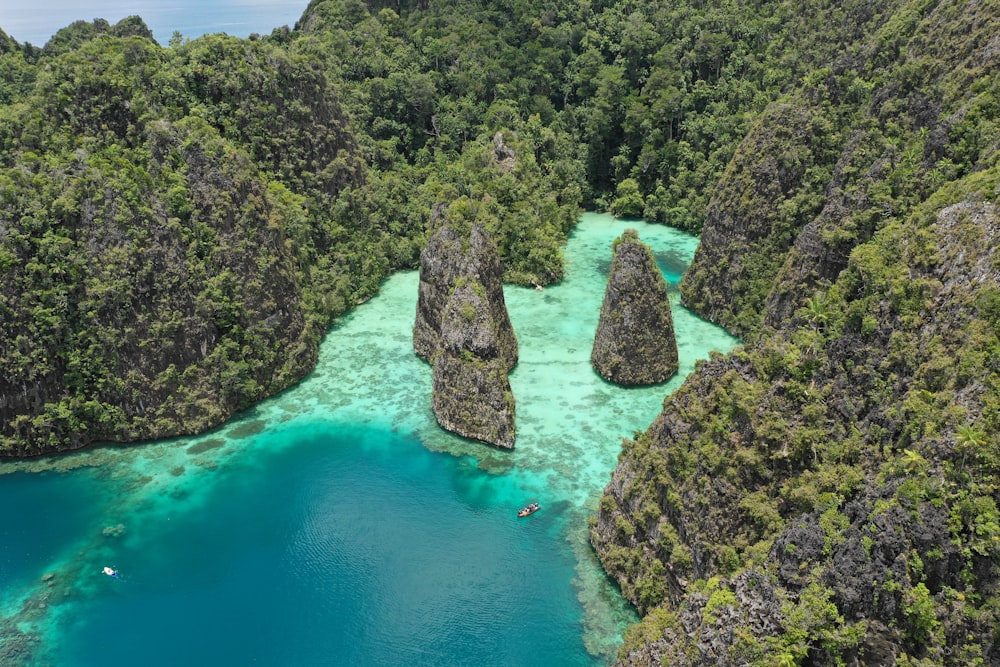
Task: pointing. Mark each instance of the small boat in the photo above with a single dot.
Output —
(528, 510)
(110, 571)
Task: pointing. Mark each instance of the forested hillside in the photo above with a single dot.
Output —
(828, 494)
(180, 223)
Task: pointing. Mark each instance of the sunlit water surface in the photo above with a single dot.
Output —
(337, 524)
(36, 21)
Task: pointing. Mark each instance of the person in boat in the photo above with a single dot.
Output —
(529, 509)
(110, 571)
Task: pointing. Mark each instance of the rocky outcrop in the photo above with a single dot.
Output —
(635, 342)
(706, 629)
(472, 395)
(451, 255)
(504, 155)
(756, 213)
(462, 328)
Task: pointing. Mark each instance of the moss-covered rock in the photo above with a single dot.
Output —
(462, 328)
(635, 342)
(452, 254)
(472, 395)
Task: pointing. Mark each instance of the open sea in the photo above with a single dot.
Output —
(36, 21)
(337, 524)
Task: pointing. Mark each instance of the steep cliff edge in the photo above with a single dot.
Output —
(635, 343)
(847, 472)
(767, 194)
(162, 269)
(462, 328)
(828, 494)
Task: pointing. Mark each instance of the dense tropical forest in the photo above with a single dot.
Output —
(180, 223)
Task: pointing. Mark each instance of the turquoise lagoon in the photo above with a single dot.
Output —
(336, 524)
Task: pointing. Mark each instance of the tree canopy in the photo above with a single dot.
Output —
(179, 225)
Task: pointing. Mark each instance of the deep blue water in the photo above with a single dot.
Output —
(66, 505)
(337, 524)
(360, 548)
(36, 21)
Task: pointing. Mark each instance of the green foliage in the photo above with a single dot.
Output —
(651, 584)
(919, 612)
(813, 622)
(628, 201)
(178, 227)
(652, 628)
(681, 558)
(719, 598)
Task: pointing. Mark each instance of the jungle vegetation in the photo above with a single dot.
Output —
(180, 223)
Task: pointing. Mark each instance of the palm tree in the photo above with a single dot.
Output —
(817, 311)
(969, 438)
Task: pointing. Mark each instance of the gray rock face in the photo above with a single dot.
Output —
(503, 154)
(462, 328)
(635, 342)
(472, 395)
(448, 257)
(710, 632)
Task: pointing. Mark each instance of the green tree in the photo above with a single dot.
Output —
(628, 202)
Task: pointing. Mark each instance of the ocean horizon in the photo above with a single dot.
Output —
(36, 22)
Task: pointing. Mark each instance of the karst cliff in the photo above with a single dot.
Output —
(159, 269)
(635, 343)
(462, 328)
(825, 495)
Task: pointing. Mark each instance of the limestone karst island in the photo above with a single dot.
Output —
(462, 328)
(635, 342)
(186, 223)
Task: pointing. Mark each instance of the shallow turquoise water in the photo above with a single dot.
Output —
(336, 523)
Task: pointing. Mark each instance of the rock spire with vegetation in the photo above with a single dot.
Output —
(635, 343)
(462, 328)
(179, 225)
(472, 395)
(828, 493)
(459, 251)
